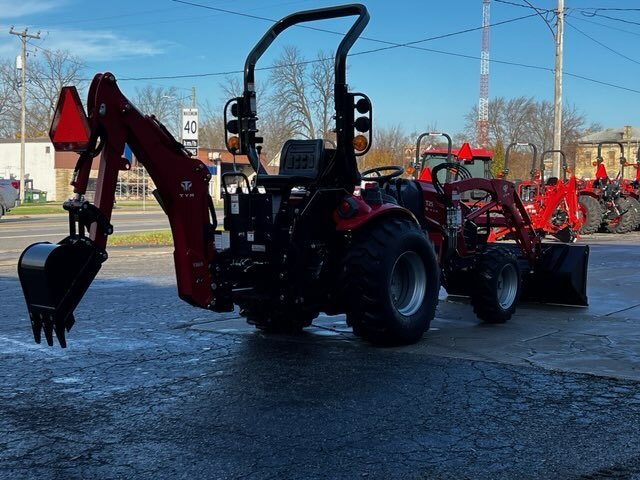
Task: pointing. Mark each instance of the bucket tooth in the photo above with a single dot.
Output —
(48, 331)
(59, 329)
(36, 326)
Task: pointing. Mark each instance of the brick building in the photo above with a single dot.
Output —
(587, 150)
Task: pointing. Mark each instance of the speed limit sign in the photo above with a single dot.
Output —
(190, 129)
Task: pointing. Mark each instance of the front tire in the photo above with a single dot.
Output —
(497, 285)
(592, 215)
(626, 221)
(391, 282)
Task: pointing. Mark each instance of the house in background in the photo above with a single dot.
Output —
(587, 150)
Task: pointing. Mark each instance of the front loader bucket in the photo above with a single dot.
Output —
(559, 276)
(54, 278)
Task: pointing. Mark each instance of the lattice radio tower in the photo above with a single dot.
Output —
(482, 125)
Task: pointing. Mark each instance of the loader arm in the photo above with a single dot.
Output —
(54, 277)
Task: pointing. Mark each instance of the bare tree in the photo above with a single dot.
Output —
(301, 101)
(9, 102)
(162, 102)
(323, 80)
(211, 127)
(51, 71)
(388, 148)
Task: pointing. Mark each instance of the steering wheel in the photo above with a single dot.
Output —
(367, 175)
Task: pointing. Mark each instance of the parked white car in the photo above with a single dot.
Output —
(8, 195)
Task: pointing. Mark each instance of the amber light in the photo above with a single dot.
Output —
(409, 170)
(233, 143)
(359, 142)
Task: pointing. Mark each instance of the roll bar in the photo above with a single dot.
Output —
(245, 108)
(564, 162)
(433, 134)
(623, 160)
(505, 170)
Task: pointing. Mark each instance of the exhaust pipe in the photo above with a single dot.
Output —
(54, 278)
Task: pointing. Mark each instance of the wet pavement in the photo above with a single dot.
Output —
(153, 388)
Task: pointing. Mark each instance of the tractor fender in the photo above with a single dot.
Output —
(366, 213)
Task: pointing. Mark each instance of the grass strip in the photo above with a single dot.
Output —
(156, 238)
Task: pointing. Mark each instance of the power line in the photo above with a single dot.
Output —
(605, 8)
(333, 32)
(595, 14)
(389, 45)
(506, 2)
(605, 25)
(602, 44)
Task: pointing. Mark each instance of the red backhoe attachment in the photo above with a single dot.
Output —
(54, 277)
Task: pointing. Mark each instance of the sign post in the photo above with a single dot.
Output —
(190, 130)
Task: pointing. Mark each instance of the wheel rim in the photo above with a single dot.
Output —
(507, 287)
(408, 283)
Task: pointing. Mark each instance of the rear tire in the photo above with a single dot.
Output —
(496, 286)
(391, 281)
(625, 222)
(592, 215)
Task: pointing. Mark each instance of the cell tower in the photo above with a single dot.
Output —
(482, 126)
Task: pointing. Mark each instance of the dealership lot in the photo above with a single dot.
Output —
(152, 387)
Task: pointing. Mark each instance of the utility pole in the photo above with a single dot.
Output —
(23, 80)
(193, 97)
(557, 117)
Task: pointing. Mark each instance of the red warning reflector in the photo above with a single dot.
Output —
(465, 154)
(70, 127)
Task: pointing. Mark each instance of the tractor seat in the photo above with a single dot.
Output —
(302, 162)
(552, 181)
(409, 195)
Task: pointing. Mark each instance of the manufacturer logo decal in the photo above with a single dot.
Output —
(186, 189)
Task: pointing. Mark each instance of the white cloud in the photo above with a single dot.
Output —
(101, 45)
(13, 9)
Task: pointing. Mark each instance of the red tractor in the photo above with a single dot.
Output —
(476, 160)
(605, 204)
(631, 186)
(552, 203)
(300, 242)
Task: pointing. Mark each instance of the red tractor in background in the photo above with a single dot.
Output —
(552, 203)
(476, 160)
(304, 241)
(631, 186)
(606, 205)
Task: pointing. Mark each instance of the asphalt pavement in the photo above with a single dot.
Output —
(153, 388)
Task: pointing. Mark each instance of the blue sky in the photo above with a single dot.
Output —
(416, 88)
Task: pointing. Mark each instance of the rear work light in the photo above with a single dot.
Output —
(70, 127)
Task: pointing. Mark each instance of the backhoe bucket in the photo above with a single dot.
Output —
(559, 276)
(54, 278)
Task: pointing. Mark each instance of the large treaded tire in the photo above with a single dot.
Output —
(592, 215)
(391, 281)
(497, 284)
(626, 222)
(636, 207)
